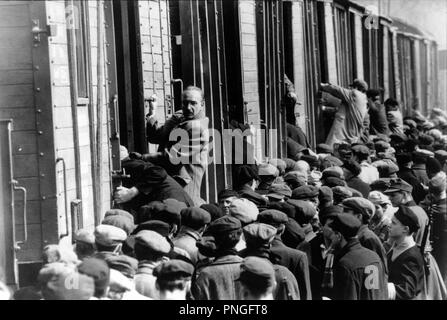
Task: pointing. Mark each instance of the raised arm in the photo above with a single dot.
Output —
(336, 91)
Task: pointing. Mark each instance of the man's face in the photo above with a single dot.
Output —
(191, 103)
(327, 232)
(315, 202)
(225, 203)
(397, 229)
(396, 198)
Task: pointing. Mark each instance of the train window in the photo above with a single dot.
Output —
(76, 17)
(342, 45)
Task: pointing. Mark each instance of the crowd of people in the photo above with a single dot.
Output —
(361, 217)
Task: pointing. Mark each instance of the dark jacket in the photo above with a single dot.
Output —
(313, 250)
(217, 281)
(371, 241)
(420, 171)
(297, 134)
(358, 274)
(378, 120)
(407, 273)
(357, 184)
(153, 183)
(438, 211)
(408, 175)
(294, 260)
(286, 284)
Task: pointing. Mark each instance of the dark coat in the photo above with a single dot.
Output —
(153, 183)
(371, 241)
(294, 260)
(357, 184)
(297, 134)
(286, 284)
(358, 274)
(407, 273)
(438, 211)
(217, 281)
(408, 175)
(316, 263)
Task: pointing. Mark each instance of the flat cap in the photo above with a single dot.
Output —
(341, 193)
(408, 218)
(334, 182)
(399, 185)
(206, 245)
(124, 264)
(273, 217)
(381, 146)
(438, 183)
(169, 212)
(53, 278)
(119, 212)
(214, 211)
(257, 273)
(326, 194)
(279, 164)
(360, 84)
(324, 148)
(380, 185)
(195, 218)
(305, 192)
(353, 166)
(329, 212)
(98, 270)
(377, 197)
(246, 173)
(108, 235)
(267, 169)
(433, 166)
(304, 211)
(423, 154)
(121, 222)
(84, 235)
(244, 210)
(386, 167)
(359, 206)
(361, 149)
(59, 253)
(158, 226)
(279, 191)
(441, 155)
(284, 207)
(174, 270)
(224, 225)
(259, 234)
(335, 171)
(153, 241)
(411, 123)
(346, 224)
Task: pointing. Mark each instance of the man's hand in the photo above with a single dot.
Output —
(123, 195)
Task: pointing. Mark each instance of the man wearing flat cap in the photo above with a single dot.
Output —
(216, 281)
(100, 272)
(358, 272)
(307, 193)
(363, 210)
(194, 221)
(348, 122)
(173, 279)
(279, 192)
(294, 260)
(267, 174)
(246, 184)
(259, 237)
(225, 198)
(399, 193)
(405, 163)
(108, 240)
(352, 170)
(84, 246)
(151, 249)
(405, 262)
(257, 277)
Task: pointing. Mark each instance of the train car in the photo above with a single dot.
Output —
(76, 79)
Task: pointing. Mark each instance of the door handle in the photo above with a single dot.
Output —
(25, 227)
(67, 232)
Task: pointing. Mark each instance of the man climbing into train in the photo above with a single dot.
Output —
(183, 142)
(348, 122)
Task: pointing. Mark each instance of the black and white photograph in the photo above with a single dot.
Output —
(222, 152)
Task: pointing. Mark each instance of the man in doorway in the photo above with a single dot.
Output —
(184, 158)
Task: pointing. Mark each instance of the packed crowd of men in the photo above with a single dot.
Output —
(362, 217)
